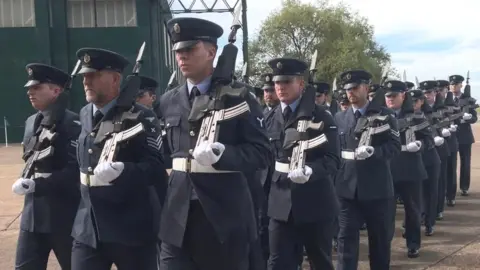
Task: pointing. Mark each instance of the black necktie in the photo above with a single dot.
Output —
(97, 117)
(193, 93)
(455, 100)
(358, 114)
(287, 112)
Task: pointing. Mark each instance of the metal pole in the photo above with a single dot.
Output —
(5, 123)
(245, 37)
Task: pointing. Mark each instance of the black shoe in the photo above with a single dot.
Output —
(413, 253)
(464, 192)
(429, 231)
(440, 216)
(451, 203)
(364, 227)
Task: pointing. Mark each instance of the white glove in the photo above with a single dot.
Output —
(453, 128)
(364, 152)
(414, 146)
(300, 176)
(438, 140)
(105, 173)
(23, 186)
(467, 116)
(446, 132)
(204, 153)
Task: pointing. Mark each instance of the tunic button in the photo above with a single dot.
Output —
(192, 133)
(92, 134)
(270, 139)
(168, 124)
(90, 151)
(90, 169)
(190, 151)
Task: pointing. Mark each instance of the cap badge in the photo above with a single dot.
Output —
(30, 71)
(86, 58)
(454, 78)
(267, 78)
(349, 76)
(279, 65)
(389, 85)
(412, 94)
(425, 84)
(176, 28)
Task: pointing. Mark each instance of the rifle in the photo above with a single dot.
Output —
(368, 126)
(212, 109)
(112, 130)
(43, 147)
(295, 137)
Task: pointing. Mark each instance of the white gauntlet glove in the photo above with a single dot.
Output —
(23, 186)
(453, 128)
(438, 140)
(300, 176)
(414, 146)
(105, 173)
(364, 152)
(467, 116)
(446, 132)
(207, 153)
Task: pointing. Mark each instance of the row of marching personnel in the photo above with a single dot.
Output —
(247, 189)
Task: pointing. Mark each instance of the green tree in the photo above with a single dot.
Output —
(344, 40)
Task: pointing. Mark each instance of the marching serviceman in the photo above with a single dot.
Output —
(49, 183)
(451, 183)
(464, 134)
(436, 100)
(208, 220)
(293, 222)
(118, 217)
(430, 157)
(364, 184)
(408, 170)
(269, 95)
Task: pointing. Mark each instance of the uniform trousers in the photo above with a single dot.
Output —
(465, 151)
(124, 257)
(451, 176)
(411, 194)
(288, 238)
(34, 248)
(202, 250)
(442, 184)
(430, 194)
(379, 215)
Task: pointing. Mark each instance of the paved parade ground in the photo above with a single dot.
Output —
(455, 245)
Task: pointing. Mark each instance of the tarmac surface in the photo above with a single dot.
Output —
(455, 245)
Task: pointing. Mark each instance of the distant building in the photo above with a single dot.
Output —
(51, 31)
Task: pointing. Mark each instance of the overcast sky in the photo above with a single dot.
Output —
(429, 39)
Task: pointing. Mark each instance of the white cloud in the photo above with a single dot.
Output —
(428, 20)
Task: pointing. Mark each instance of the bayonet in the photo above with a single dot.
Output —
(417, 82)
(172, 81)
(468, 78)
(139, 61)
(404, 75)
(334, 85)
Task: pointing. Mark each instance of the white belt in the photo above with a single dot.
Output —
(404, 148)
(44, 175)
(350, 155)
(86, 179)
(282, 167)
(191, 165)
(462, 121)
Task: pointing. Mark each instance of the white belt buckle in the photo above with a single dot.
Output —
(282, 167)
(350, 155)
